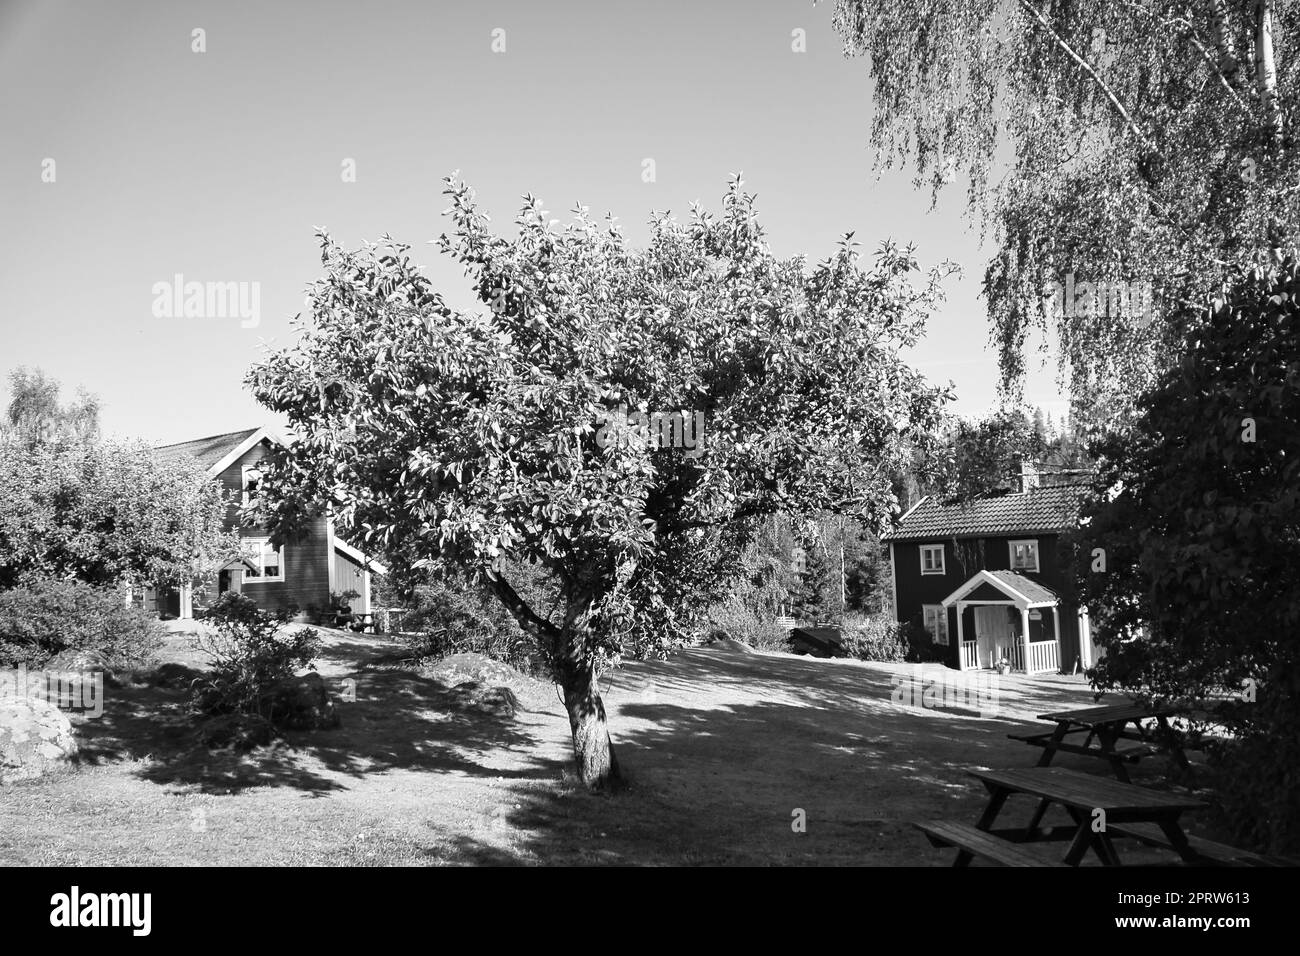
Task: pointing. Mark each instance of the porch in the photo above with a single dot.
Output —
(1009, 614)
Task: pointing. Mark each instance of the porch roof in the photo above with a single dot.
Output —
(1022, 591)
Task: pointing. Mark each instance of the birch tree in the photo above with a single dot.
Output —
(1137, 148)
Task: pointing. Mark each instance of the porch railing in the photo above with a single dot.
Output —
(1043, 656)
(969, 656)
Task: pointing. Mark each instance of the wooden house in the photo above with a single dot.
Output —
(984, 580)
(304, 574)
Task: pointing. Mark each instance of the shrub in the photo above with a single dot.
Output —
(48, 617)
(452, 617)
(875, 639)
(737, 620)
(252, 652)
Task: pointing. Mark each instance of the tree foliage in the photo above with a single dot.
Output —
(469, 439)
(107, 513)
(35, 414)
(1189, 551)
(1120, 143)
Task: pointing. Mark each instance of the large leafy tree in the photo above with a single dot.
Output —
(1188, 554)
(107, 513)
(470, 439)
(1118, 142)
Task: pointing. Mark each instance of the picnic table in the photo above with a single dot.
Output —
(361, 621)
(1129, 811)
(1107, 725)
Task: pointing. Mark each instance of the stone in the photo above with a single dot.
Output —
(492, 701)
(460, 668)
(77, 661)
(35, 738)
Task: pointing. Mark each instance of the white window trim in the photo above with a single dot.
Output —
(943, 558)
(1011, 554)
(940, 633)
(255, 555)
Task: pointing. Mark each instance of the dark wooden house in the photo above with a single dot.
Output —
(984, 580)
(304, 574)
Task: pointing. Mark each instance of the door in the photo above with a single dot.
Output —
(993, 631)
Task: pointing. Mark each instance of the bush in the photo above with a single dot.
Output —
(450, 617)
(740, 622)
(876, 639)
(252, 654)
(48, 617)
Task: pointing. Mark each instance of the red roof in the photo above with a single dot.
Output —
(1040, 510)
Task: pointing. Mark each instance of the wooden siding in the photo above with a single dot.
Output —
(964, 557)
(349, 576)
(306, 581)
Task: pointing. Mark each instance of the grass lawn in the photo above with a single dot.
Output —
(720, 748)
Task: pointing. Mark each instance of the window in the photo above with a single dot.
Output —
(932, 559)
(252, 480)
(799, 560)
(265, 563)
(935, 618)
(1024, 555)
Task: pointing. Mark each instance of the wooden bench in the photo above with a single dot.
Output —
(1219, 853)
(1128, 754)
(971, 841)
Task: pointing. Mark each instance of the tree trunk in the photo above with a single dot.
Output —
(593, 754)
(1265, 70)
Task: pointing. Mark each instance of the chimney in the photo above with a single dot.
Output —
(1028, 474)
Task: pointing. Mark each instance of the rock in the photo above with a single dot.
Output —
(731, 644)
(77, 661)
(492, 701)
(35, 738)
(462, 668)
(301, 703)
(238, 732)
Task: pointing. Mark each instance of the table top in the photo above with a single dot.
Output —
(1108, 713)
(1085, 791)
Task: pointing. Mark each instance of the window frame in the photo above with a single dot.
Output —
(941, 624)
(1011, 554)
(943, 558)
(258, 556)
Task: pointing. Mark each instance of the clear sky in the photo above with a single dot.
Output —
(217, 165)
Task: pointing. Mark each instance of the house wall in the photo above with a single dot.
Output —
(306, 561)
(962, 558)
(350, 576)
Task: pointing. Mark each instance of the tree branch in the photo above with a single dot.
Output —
(1087, 67)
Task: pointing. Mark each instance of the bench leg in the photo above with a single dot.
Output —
(1082, 840)
(1106, 742)
(963, 858)
(997, 800)
(1049, 748)
(1178, 840)
(1039, 812)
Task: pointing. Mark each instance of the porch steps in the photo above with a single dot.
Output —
(971, 841)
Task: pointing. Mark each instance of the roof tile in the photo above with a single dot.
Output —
(1046, 509)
